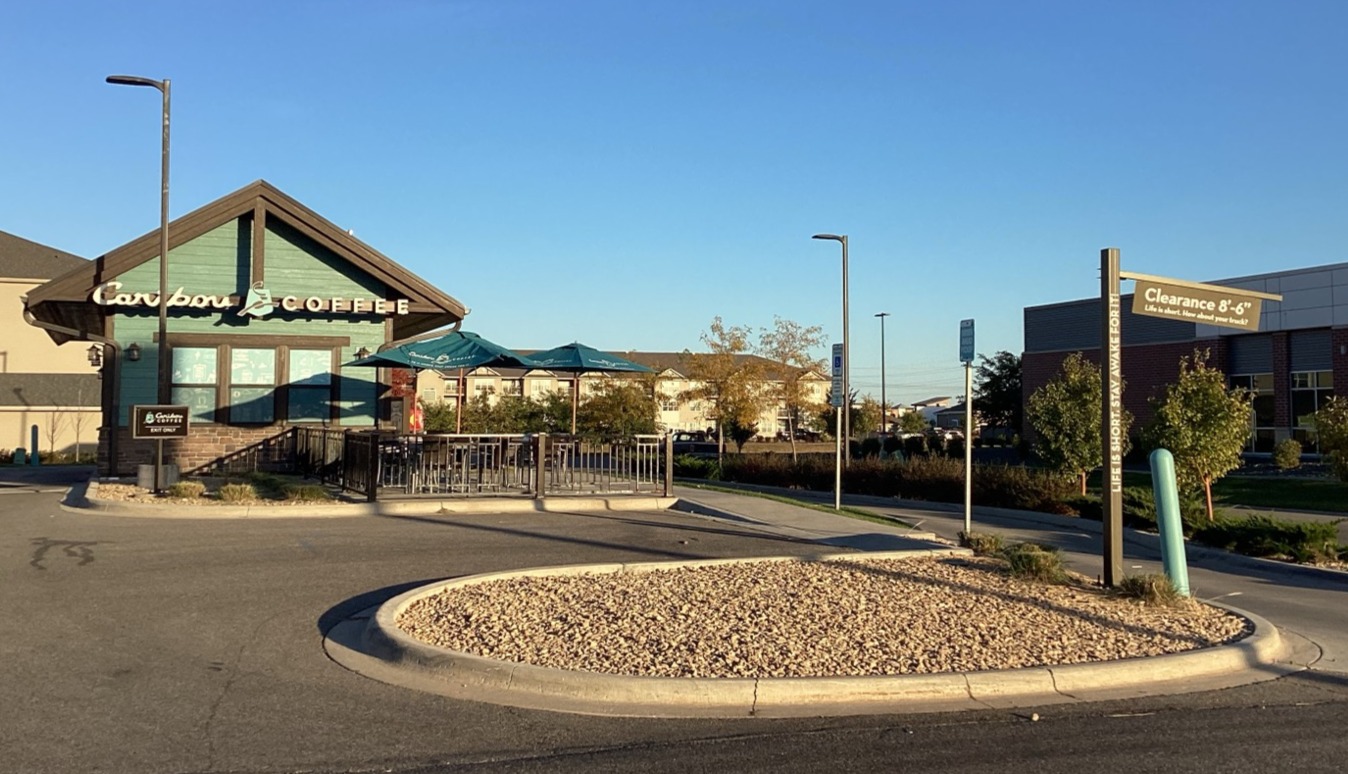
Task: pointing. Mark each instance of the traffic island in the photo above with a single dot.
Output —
(834, 634)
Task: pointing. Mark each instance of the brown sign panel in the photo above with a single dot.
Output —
(1229, 309)
(159, 421)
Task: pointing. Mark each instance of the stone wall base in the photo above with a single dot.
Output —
(215, 449)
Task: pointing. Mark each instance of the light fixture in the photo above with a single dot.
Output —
(362, 353)
(133, 352)
(95, 355)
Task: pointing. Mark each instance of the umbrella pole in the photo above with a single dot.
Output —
(575, 401)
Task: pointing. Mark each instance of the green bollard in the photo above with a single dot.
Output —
(33, 458)
(1168, 518)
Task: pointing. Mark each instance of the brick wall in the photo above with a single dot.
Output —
(1282, 382)
(209, 448)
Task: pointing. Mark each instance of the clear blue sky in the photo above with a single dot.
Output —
(620, 172)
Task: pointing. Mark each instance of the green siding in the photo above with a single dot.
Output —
(219, 263)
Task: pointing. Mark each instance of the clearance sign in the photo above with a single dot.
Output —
(1197, 303)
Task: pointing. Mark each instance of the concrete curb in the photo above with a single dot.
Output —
(1148, 540)
(90, 501)
(385, 652)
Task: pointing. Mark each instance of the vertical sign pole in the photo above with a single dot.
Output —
(838, 391)
(968, 447)
(1111, 488)
(967, 357)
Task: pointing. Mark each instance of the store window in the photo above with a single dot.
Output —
(195, 381)
(310, 385)
(1262, 426)
(1310, 391)
(252, 386)
(512, 387)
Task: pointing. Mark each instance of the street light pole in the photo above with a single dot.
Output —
(163, 394)
(884, 416)
(847, 355)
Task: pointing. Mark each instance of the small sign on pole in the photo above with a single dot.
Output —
(836, 395)
(159, 422)
(966, 341)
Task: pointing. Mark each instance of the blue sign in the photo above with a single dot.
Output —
(966, 341)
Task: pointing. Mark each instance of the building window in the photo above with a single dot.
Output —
(1262, 425)
(428, 396)
(668, 404)
(252, 386)
(1310, 391)
(512, 387)
(195, 381)
(482, 389)
(451, 387)
(310, 385)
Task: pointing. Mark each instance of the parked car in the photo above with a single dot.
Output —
(694, 443)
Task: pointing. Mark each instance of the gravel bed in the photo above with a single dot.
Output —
(130, 493)
(807, 619)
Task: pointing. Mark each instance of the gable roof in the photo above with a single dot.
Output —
(428, 307)
(25, 259)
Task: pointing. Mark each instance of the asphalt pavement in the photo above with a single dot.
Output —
(163, 645)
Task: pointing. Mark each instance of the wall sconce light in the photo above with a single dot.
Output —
(362, 353)
(133, 352)
(95, 355)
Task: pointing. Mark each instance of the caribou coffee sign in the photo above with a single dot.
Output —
(1209, 305)
(258, 302)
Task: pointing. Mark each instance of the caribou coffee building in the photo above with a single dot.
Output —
(267, 303)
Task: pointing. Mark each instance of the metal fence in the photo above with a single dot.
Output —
(379, 464)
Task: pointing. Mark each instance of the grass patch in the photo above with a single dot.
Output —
(847, 510)
(236, 493)
(307, 493)
(187, 490)
(1291, 493)
(983, 543)
(1152, 589)
(1031, 561)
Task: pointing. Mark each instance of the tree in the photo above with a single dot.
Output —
(788, 346)
(1203, 423)
(619, 409)
(997, 391)
(1330, 425)
(1065, 414)
(866, 417)
(730, 383)
(912, 422)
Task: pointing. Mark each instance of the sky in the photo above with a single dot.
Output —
(620, 173)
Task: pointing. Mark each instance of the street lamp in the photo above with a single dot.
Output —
(163, 391)
(847, 357)
(884, 416)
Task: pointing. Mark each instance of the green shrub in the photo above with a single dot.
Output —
(1016, 486)
(237, 493)
(982, 543)
(1139, 509)
(307, 493)
(187, 489)
(268, 482)
(1258, 535)
(686, 466)
(915, 445)
(892, 444)
(955, 448)
(1031, 561)
(1287, 454)
(1152, 589)
(870, 447)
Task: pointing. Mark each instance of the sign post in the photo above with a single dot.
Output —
(157, 422)
(967, 357)
(836, 400)
(1154, 296)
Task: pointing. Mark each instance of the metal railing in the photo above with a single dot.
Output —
(379, 464)
(635, 465)
(456, 464)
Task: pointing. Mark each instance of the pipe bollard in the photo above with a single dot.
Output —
(1166, 492)
(33, 459)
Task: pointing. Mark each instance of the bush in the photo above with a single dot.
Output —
(267, 482)
(237, 493)
(1287, 454)
(187, 489)
(686, 466)
(915, 445)
(1152, 589)
(870, 447)
(1258, 535)
(1015, 486)
(892, 444)
(307, 493)
(1031, 561)
(955, 448)
(982, 543)
(1139, 509)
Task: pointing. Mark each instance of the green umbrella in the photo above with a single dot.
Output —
(456, 349)
(579, 359)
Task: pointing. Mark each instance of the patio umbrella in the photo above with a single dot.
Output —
(579, 359)
(455, 349)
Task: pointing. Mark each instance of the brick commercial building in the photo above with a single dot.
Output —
(1292, 364)
(268, 303)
